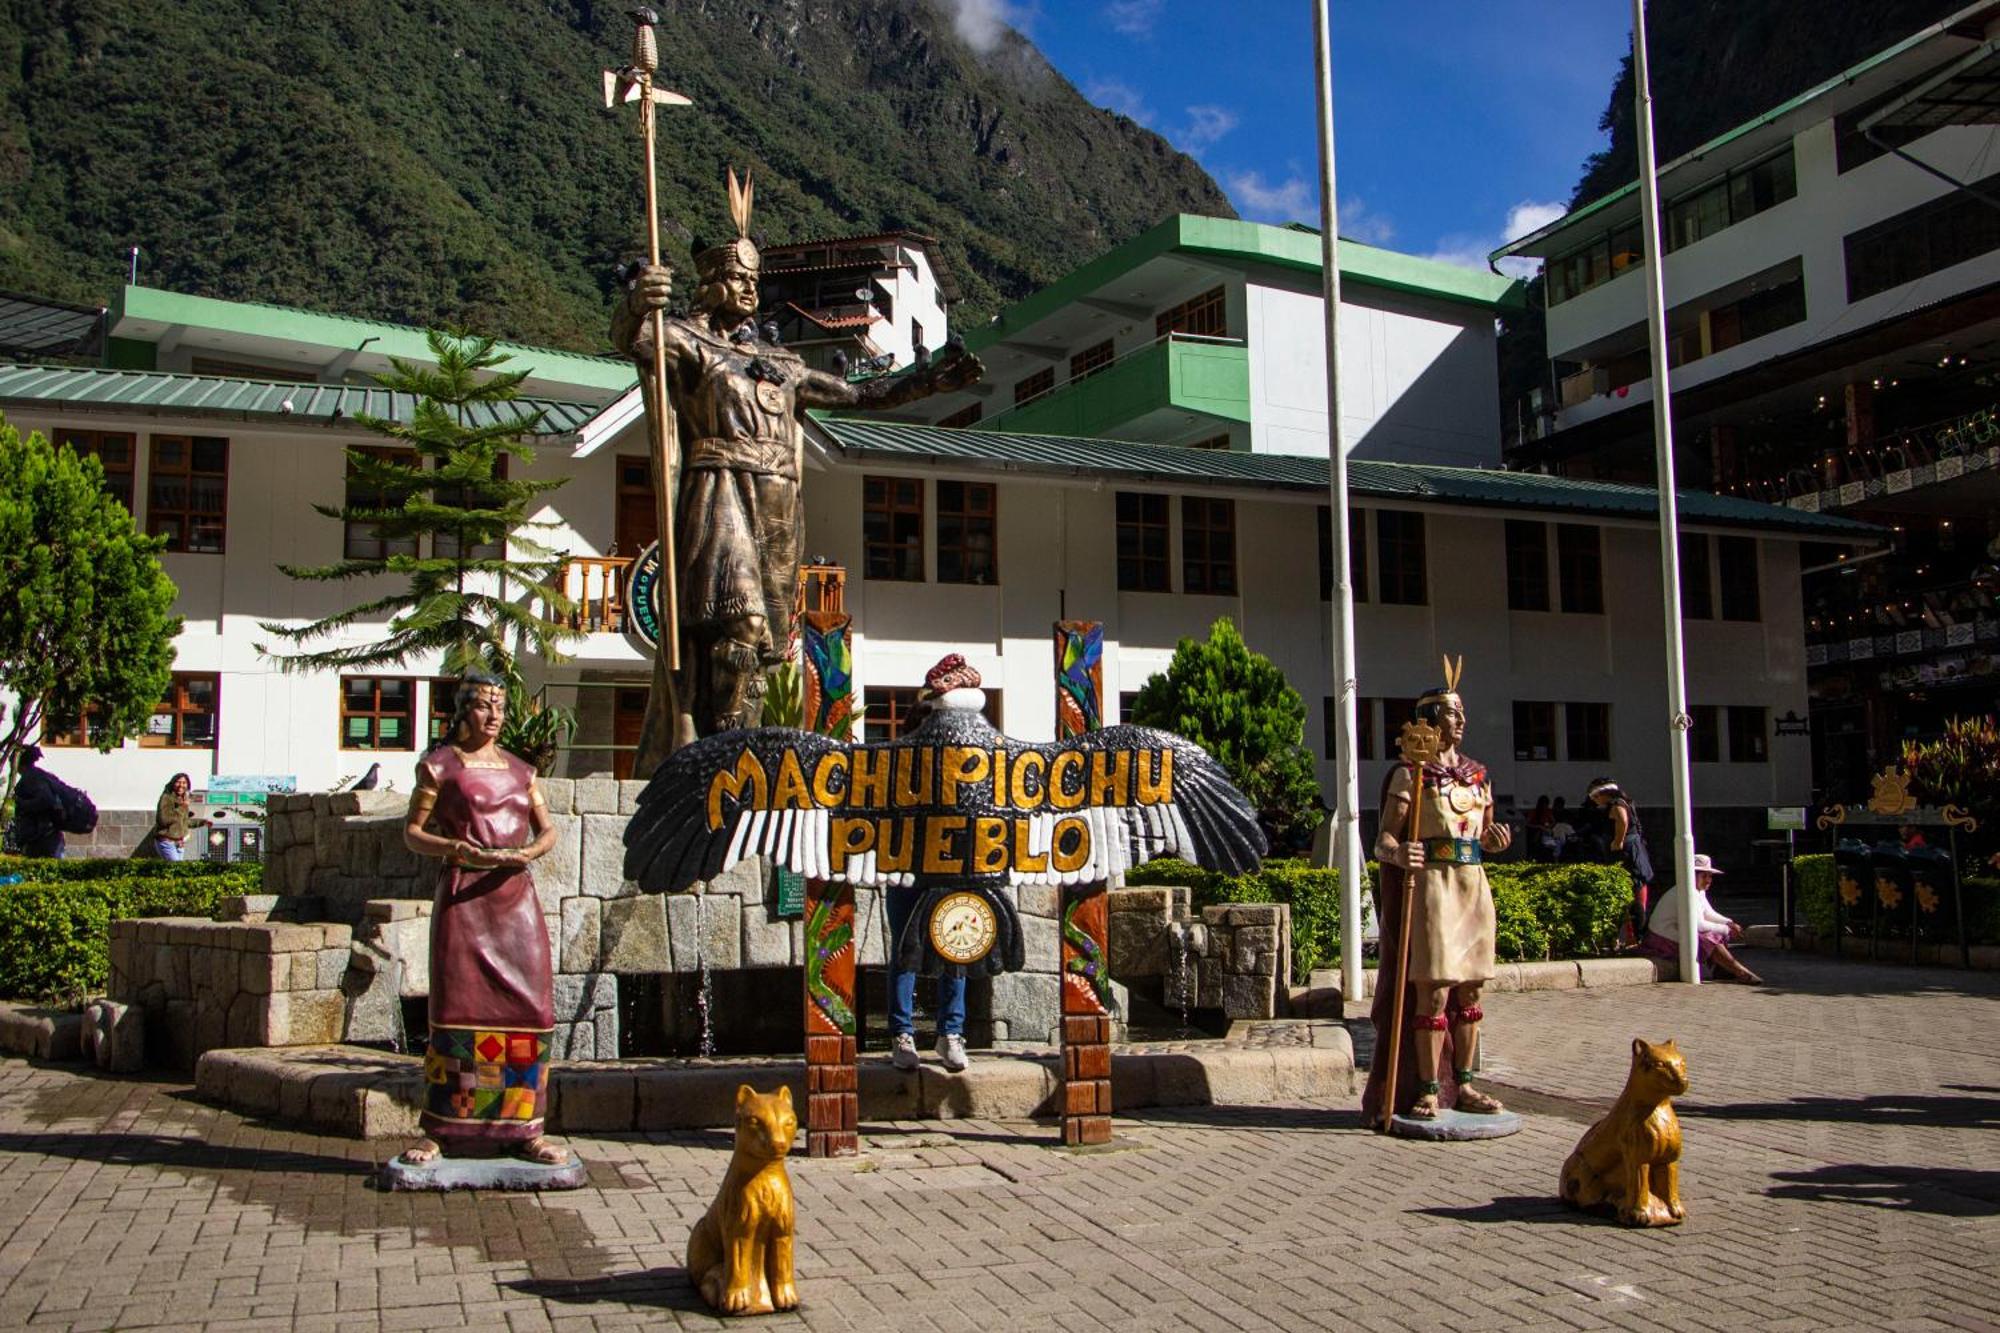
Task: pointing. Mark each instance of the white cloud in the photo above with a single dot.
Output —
(1205, 125)
(1116, 95)
(983, 24)
(1293, 199)
(1470, 249)
(1358, 224)
(1134, 18)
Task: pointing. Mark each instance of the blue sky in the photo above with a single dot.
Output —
(1459, 122)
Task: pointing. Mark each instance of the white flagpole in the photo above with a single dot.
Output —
(1347, 773)
(1678, 718)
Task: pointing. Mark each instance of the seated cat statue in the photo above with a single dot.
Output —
(1628, 1163)
(740, 1254)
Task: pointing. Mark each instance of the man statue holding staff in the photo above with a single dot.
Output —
(1435, 832)
(738, 524)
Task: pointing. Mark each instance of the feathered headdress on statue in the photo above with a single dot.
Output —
(1454, 671)
(739, 255)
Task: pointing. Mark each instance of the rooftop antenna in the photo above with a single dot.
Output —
(132, 254)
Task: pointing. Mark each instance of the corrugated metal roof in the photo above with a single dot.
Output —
(166, 393)
(31, 326)
(1418, 482)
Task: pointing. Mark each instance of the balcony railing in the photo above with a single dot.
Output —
(596, 586)
(1201, 374)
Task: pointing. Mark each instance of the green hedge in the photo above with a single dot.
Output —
(1814, 881)
(1540, 911)
(55, 924)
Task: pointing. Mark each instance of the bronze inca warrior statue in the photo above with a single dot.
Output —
(738, 524)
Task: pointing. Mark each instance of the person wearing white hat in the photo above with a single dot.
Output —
(1712, 928)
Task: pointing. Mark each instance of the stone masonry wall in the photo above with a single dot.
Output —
(1236, 957)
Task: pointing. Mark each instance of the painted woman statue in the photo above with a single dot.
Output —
(492, 1006)
(1440, 876)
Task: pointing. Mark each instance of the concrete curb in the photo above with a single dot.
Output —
(41, 1034)
(1985, 957)
(366, 1094)
(1565, 974)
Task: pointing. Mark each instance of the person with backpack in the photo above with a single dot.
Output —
(46, 807)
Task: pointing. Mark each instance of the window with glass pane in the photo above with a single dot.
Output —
(1703, 743)
(1090, 360)
(1589, 731)
(115, 451)
(1399, 546)
(1747, 730)
(1143, 543)
(1035, 385)
(892, 528)
(1534, 730)
(363, 540)
(1364, 729)
(1396, 712)
(444, 703)
(1736, 567)
(471, 495)
(888, 711)
(968, 532)
(1697, 587)
(1527, 565)
(187, 491)
(377, 713)
(1208, 545)
(1580, 567)
(1357, 552)
(1205, 316)
(185, 718)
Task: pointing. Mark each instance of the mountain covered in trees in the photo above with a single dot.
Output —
(450, 161)
(1719, 63)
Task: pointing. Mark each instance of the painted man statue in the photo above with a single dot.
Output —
(737, 518)
(1451, 928)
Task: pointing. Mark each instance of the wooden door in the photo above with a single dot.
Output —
(628, 721)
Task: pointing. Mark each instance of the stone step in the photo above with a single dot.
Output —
(370, 1094)
(41, 1034)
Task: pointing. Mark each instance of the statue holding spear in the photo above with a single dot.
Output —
(1436, 911)
(726, 408)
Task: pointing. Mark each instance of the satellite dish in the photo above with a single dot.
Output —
(864, 294)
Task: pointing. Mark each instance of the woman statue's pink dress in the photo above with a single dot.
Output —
(492, 990)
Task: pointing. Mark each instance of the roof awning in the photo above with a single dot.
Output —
(1965, 92)
(33, 327)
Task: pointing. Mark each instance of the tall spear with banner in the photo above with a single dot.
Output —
(1419, 743)
(634, 83)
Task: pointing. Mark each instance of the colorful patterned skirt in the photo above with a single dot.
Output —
(485, 1087)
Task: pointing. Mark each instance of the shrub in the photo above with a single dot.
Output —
(55, 925)
(1814, 881)
(1576, 907)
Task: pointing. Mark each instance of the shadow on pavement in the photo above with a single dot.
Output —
(1519, 1208)
(175, 1154)
(1946, 1191)
(1921, 1110)
(664, 1288)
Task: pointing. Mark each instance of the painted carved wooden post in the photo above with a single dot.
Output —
(1086, 976)
(833, 1101)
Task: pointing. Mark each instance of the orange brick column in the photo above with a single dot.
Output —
(1086, 1017)
(833, 1100)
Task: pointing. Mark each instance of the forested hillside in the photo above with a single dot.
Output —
(450, 161)
(1718, 63)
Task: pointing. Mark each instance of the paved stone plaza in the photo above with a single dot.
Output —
(1842, 1170)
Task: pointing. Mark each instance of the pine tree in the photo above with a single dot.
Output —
(1238, 706)
(87, 623)
(472, 599)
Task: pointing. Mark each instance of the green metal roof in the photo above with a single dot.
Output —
(341, 332)
(859, 438)
(1537, 239)
(1256, 243)
(164, 393)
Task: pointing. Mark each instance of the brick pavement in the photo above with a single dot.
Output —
(1841, 1173)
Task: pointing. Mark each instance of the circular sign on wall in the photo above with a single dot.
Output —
(642, 596)
(963, 928)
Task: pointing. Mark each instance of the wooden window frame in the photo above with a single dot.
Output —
(1394, 546)
(120, 479)
(1208, 523)
(1205, 315)
(443, 691)
(1580, 568)
(1034, 386)
(377, 713)
(456, 494)
(1575, 714)
(1534, 719)
(1143, 567)
(957, 524)
(176, 708)
(1091, 360)
(891, 505)
(185, 516)
(623, 490)
(1528, 582)
(363, 541)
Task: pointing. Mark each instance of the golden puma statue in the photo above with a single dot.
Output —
(740, 1254)
(1628, 1163)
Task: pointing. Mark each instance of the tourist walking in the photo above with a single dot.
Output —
(1615, 835)
(171, 822)
(46, 807)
